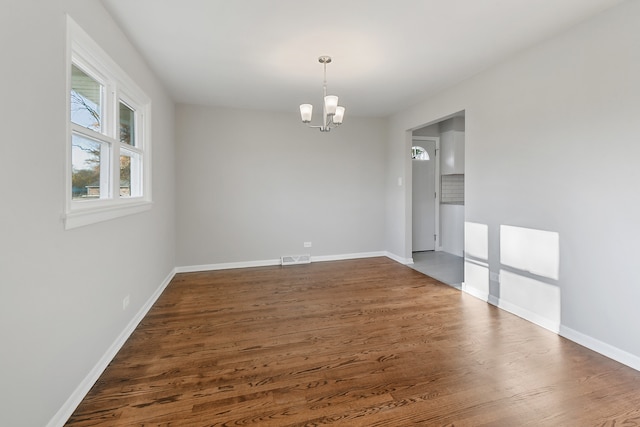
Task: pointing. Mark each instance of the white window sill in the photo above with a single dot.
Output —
(86, 215)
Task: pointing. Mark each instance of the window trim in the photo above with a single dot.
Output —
(90, 57)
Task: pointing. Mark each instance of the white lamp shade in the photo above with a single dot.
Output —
(330, 104)
(306, 110)
(339, 115)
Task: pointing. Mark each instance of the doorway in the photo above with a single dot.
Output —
(437, 200)
(425, 197)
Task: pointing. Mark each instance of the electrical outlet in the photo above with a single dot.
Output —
(307, 244)
(125, 302)
(494, 277)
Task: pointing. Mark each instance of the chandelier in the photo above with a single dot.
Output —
(332, 113)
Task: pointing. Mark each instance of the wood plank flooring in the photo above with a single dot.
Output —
(350, 343)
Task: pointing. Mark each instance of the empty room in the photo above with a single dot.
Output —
(241, 213)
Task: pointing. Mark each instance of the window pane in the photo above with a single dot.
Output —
(130, 174)
(86, 155)
(127, 123)
(419, 153)
(86, 100)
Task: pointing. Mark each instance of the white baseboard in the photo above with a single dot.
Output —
(347, 256)
(227, 265)
(474, 292)
(493, 300)
(271, 262)
(525, 314)
(513, 309)
(598, 346)
(63, 414)
(396, 258)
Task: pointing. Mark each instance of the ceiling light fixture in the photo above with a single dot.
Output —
(332, 113)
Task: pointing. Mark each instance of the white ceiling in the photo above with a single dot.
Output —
(387, 55)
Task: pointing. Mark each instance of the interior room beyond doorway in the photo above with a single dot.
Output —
(438, 200)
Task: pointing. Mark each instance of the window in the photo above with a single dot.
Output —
(419, 153)
(108, 170)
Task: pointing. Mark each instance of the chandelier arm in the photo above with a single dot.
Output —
(327, 119)
(320, 128)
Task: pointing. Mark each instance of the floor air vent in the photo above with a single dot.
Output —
(296, 259)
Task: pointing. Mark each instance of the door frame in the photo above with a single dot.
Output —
(436, 216)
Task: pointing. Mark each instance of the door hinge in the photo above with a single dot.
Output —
(435, 237)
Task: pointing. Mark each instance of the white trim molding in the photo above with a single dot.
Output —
(227, 266)
(603, 348)
(587, 341)
(396, 258)
(273, 262)
(63, 414)
(525, 314)
(347, 256)
(82, 217)
(475, 292)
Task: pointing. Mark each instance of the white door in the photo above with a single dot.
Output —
(424, 198)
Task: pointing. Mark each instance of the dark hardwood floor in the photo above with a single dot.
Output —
(354, 343)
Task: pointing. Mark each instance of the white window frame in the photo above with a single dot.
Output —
(83, 52)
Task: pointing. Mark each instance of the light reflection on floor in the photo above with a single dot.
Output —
(445, 267)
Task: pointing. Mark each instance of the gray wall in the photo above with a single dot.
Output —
(253, 186)
(454, 123)
(432, 130)
(61, 291)
(552, 145)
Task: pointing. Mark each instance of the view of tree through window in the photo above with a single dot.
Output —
(86, 106)
(127, 130)
(86, 157)
(127, 136)
(419, 153)
(87, 154)
(125, 176)
(86, 100)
